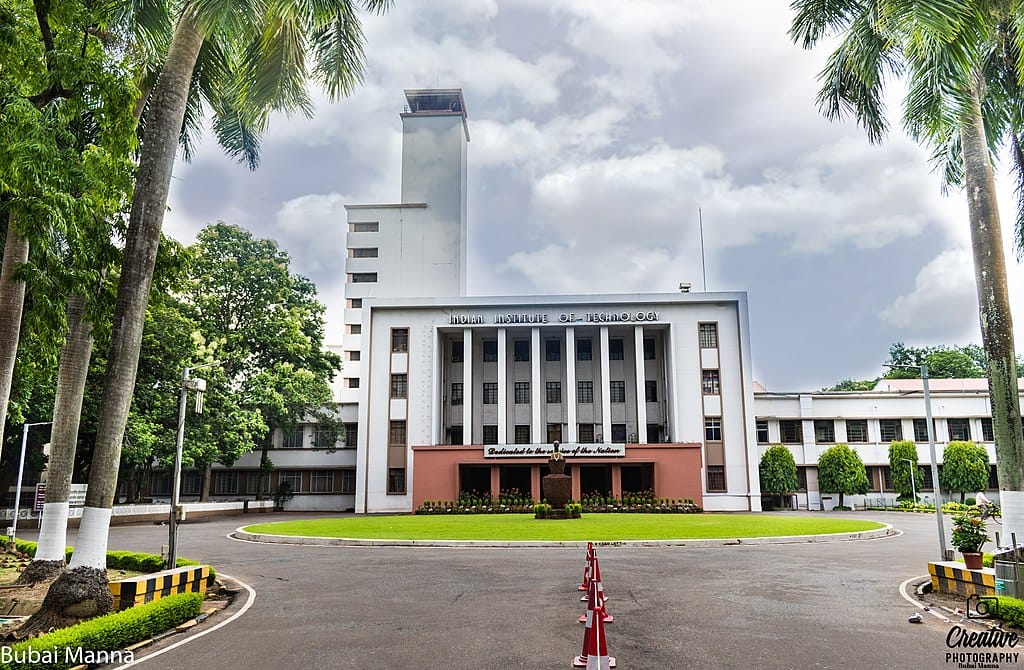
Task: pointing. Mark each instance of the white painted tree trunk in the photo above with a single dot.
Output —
(53, 532)
(91, 547)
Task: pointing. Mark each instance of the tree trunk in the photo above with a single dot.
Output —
(77, 591)
(67, 412)
(996, 320)
(12, 300)
(840, 499)
(204, 492)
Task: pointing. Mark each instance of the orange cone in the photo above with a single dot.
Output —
(585, 586)
(595, 597)
(595, 645)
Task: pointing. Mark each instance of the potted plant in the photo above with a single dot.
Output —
(969, 535)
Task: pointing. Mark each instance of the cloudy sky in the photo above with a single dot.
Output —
(598, 131)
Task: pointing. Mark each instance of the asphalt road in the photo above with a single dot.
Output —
(822, 605)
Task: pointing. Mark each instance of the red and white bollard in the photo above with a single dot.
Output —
(595, 646)
(595, 597)
(585, 586)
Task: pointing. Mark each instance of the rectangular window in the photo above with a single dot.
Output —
(856, 430)
(648, 348)
(890, 430)
(160, 484)
(355, 303)
(801, 479)
(552, 350)
(710, 382)
(362, 277)
(554, 432)
(993, 478)
(520, 351)
(522, 434)
(291, 479)
(708, 335)
(396, 481)
(716, 478)
(586, 433)
(364, 252)
(321, 481)
(584, 350)
(584, 393)
(491, 434)
(364, 226)
(352, 382)
(353, 355)
(926, 485)
(455, 435)
(225, 483)
(355, 329)
(615, 350)
(325, 437)
(887, 478)
(762, 432)
(397, 433)
(651, 390)
(292, 439)
(191, 483)
(791, 431)
(713, 429)
(987, 434)
(959, 429)
(400, 340)
(252, 483)
(618, 432)
(554, 392)
(522, 393)
(399, 385)
(348, 482)
(490, 351)
(617, 391)
(457, 351)
(490, 393)
(824, 431)
(456, 393)
(351, 435)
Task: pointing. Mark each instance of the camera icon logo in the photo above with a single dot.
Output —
(982, 607)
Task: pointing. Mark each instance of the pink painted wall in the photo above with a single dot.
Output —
(676, 469)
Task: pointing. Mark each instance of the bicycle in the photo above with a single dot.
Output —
(990, 511)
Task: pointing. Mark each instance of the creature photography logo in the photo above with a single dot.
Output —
(971, 649)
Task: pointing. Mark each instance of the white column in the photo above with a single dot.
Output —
(606, 400)
(570, 385)
(502, 389)
(539, 434)
(467, 386)
(672, 384)
(641, 395)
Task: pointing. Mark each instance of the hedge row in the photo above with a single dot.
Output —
(116, 560)
(106, 633)
(1011, 610)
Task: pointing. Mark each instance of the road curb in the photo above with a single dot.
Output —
(242, 535)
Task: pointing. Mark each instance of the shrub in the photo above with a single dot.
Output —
(840, 470)
(778, 471)
(969, 533)
(113, 631)
(905, 476)
(1011, 610)
(964, 468)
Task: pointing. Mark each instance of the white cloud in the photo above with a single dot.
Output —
(944, 297)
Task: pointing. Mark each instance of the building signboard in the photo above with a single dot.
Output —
(505, 318)
(603, 450)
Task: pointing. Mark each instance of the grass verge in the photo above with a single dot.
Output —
(592, 527)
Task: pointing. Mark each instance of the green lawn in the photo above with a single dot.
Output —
(596, 527)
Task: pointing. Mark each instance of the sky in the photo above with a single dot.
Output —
(598, 131)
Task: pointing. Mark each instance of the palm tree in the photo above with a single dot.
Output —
(266, 49)
(963, 64)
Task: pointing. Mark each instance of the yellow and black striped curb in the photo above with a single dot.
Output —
(245, 536)
(137, 590)
(950, 577)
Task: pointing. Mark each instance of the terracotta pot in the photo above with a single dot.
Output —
(973, 559)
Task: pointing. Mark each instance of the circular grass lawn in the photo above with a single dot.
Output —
(592, 527)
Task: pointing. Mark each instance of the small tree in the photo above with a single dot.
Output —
(841, 471)
(899, 454)
(778, 471)
(964, 468)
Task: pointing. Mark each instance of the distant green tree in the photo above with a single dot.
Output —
(778, 471)
(947, 362)
(853, 385)
(964, 468)
(840, 470)
(899, 453)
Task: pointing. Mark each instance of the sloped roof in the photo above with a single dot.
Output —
(964, 385)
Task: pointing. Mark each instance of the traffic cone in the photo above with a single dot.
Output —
(585, 586)
(595, 600)
(595, 647)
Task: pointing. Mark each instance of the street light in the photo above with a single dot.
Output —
(198, 385)
(913, 488)
(21, 474)
(923, 369)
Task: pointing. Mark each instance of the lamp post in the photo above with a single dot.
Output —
(21, 474)
(923, 370)
(913, 488)
(198, 385)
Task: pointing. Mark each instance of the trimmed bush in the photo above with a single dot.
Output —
(111, 632)
(1011, 610)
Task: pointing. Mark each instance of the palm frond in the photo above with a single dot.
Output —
(338, 53)
(224, 17)
(1017, 154)
(817, 19)
(272, 70)
(239, 140)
